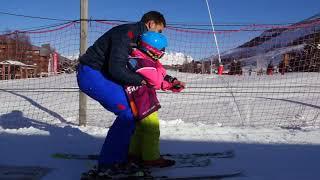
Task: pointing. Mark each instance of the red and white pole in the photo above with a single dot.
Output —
(220, 69)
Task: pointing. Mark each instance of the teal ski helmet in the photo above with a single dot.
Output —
(153, 44)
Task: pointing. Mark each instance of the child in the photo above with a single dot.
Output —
(143, 100)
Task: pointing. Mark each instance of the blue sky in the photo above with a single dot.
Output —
(175, 11)
(188, 11)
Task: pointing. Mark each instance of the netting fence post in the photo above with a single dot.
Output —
(83, 48)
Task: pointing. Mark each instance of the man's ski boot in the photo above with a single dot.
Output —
(118, 171)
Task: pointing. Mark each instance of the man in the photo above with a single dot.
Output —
(103, 72)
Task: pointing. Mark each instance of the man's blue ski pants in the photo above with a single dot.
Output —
(113, 98)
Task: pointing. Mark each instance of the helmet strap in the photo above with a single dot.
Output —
(154, 53)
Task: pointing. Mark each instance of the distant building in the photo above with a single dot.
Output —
(20, 59)
(306, 60)
(10, 69)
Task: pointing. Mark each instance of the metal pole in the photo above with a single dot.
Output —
(83, 48)
(215, 37)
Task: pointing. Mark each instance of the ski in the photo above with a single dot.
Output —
(183, 160)
(13, 172)
(222, 154)
(182, 163)
(212, 176)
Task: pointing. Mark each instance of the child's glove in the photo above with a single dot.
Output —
(177, 86)
(173, 84)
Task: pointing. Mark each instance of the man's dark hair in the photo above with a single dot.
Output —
(155, 16)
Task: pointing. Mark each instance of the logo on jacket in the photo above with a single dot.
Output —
(131, 89)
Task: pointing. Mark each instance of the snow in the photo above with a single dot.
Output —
(272, 123)
(262, 153)
(314, 17)
(175, 58)
(260, 54)
(275, 56)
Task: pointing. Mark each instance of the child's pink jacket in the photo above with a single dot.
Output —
(152, 71)
(143, 99)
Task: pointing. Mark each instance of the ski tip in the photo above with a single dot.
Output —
(60, 156)
(56, 155)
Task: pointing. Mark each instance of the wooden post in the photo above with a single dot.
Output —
(2, 71)
(9, 72)
(14, 72)
(25, 73)
(6, 72)
(20, 72)
(83, 48)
